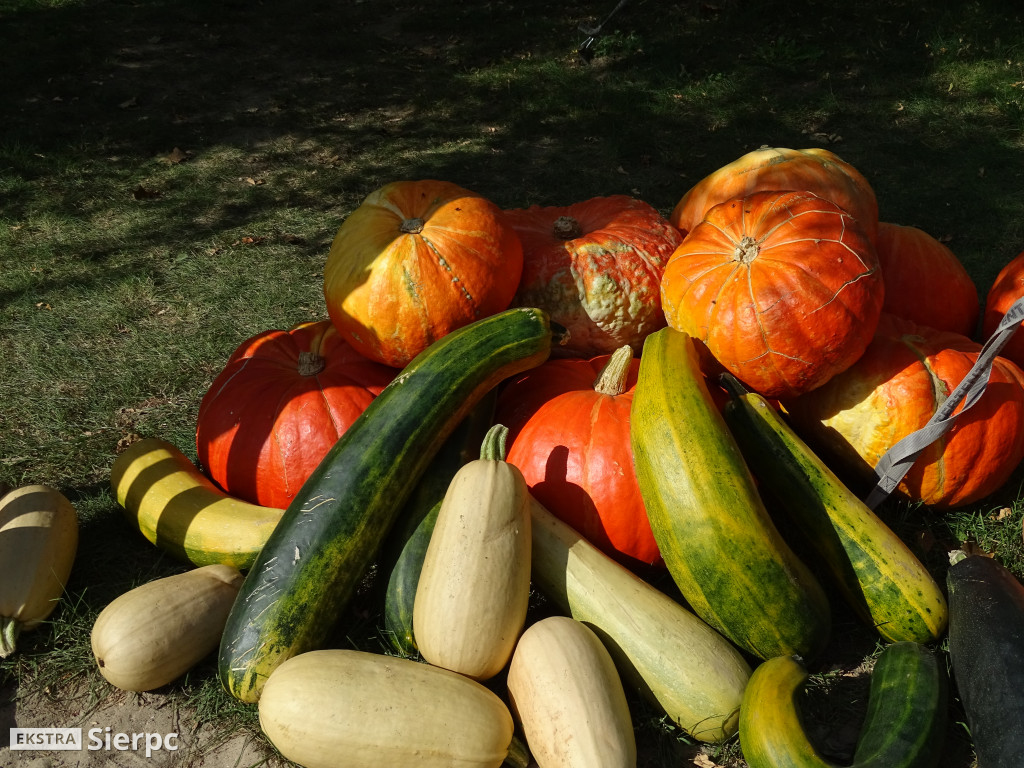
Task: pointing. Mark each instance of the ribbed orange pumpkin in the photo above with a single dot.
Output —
(279, 404)
(595, 267)
(925, 281)
(1007, 288)
(568, 423)
(814, 170)
(894, 389)
(783, 288)
(415, 261)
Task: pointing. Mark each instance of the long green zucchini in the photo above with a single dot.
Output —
(307, 572)
(904, 725)
(718, 542)
(874, 570)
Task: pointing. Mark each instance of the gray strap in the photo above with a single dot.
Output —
(897, 461)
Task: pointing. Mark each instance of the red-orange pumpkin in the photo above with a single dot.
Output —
(925, 281)
(783, 288)
(568, 423)
(595, 267)
(894, 389)
(1007, 288)
(279, 404)
(415, 261)
(813, 170)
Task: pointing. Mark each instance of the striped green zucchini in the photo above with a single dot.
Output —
(307, 572)
(720, 546)
(870, 565)
(904, 726)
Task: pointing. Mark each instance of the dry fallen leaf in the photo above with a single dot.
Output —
(42, 305)
(972, 548)
(703, 761)
(1001, 514)
(176, 156)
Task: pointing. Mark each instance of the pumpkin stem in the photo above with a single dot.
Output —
(411, 226)
(310, 363)
(612, 379)
(9, 628)
(493, 447)
(567, 228)
(518, 755)
(747, 250)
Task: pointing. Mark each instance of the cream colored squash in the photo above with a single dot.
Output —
(568, 697)
(474, 587)
(154, 633)
(331, 708)
(38, 542)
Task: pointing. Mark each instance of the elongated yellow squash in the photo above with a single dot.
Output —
(177, 508)
(38, 542)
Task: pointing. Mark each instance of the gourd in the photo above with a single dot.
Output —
(371, 710)
(662, 650)
(565, 692)
(154, 633)
(569, 430)
(474, 588)
(307, 572)
(595, 266)
(413, 262)
(782, 288)
(179, 510)
(904, 725)
(1006, 289)
(38, 543)
(715, 534)
(905, 374)
(280, 402)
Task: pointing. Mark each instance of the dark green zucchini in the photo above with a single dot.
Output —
(402, 554)
(986, 652)
(904, 726)
(307, 572)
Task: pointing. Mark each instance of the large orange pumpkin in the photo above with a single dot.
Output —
(925, 281)
(1004, 292)
(906, 372)
(568, 423)
(595, 267)
(783, 289)
(415, 261)
(278, 405)
(813, 170)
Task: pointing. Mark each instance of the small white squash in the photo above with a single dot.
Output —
(156, 632)
(38, 542)
(327, 708)
(474, 586)
(567, 695)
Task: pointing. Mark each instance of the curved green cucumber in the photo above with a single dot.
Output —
(871, 566)
(719, 544)
(307, 572)
(904, 726)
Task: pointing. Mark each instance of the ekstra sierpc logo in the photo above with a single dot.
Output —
(47, 739)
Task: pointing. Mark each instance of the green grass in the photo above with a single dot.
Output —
(172, 175)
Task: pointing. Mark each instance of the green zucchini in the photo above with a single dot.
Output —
(307, 572)
(904, 726)
(403, 552)
(874, 570)
(986, 653)
(719, 544)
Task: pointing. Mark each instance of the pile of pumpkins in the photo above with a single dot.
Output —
(542, 396)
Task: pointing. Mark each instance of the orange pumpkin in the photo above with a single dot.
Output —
(814, 170)
(894, 389)
(1007, 288)
(925, 281)
(783, 289)
(415, 261)
(595, 267)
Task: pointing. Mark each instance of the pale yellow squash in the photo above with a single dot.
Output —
(568, 697)
(156, 632)
(38, 542)
(331, 708)
(474, 587)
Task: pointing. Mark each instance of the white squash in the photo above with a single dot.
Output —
(38, 542)
(156, 632)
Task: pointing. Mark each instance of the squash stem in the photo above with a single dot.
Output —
(310, 363)
(493, 447)
(518, 754)
(9, 628)
(612, 379)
